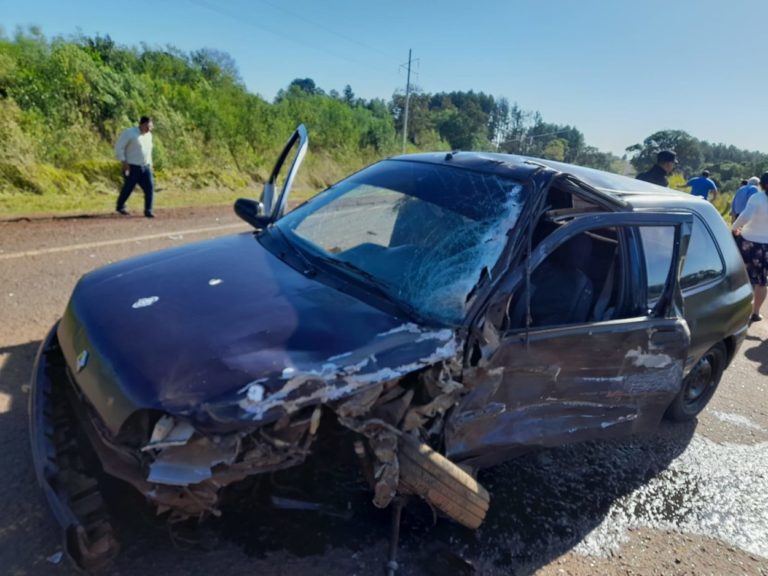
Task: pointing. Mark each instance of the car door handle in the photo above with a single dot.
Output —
(665, 337)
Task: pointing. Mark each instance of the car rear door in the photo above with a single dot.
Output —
(551, 385)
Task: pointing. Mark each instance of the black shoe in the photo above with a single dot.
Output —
(148, 215)
(755, 318)
(122, 211)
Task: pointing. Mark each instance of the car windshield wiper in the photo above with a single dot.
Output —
(379, 286)
(309, 269)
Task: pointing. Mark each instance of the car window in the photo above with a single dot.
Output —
(702, 260)
(578, 282)
(367, 212)
(658, 245)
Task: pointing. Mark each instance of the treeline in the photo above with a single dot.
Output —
(478, 121)
(63, 101)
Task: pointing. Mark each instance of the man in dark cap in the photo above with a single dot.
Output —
(666, 160)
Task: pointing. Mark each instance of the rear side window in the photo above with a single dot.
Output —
(702, 261)
(658, 244)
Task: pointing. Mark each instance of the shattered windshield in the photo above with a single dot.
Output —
(425, 233)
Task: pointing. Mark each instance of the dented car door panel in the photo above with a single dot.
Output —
(569, 384)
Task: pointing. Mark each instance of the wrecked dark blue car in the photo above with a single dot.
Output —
(450, 311)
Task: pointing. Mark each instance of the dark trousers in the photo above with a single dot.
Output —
(141, 175)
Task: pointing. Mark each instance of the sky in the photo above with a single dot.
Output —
(616, 70)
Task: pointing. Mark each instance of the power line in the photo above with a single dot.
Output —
(322, 27)
(550, 133)
(415, 73)
(244, 19)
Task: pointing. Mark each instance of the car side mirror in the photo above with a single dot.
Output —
(252, 212)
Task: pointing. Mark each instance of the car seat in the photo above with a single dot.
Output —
(561, 292)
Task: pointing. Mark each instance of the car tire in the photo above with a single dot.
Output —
(699, 385)
(441, 483)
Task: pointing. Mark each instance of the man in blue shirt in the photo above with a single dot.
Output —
(702, 186)
(742, 195)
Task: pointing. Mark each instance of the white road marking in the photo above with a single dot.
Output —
(72, 247)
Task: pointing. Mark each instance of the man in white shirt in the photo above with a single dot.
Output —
(134, 150)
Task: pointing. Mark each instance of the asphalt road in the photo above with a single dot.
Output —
(692, 499)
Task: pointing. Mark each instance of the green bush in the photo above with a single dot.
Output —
(106, 172)
(40, 179)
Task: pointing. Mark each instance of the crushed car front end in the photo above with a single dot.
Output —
(181, 469)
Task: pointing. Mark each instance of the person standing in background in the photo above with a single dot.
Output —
(666, 160)
(703, 186)
(752, 226)
(134, 150)
(742, 196)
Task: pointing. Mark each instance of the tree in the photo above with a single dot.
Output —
(421, 120)
(687, 148)
(349, 96)
(594, 158)
(217, 66)
(306, 85)
(555, 149)
(499, 122)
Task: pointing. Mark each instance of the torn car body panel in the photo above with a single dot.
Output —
(564, 386)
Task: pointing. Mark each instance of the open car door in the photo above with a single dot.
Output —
(262, 214)
(597, 375)
(280, 181)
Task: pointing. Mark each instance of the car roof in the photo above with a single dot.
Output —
(522, 167)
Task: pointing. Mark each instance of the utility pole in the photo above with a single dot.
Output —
(407, 99)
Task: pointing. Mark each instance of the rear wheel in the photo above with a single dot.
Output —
(441, 483)
(699, 385)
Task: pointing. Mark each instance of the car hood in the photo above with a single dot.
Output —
(224, 331)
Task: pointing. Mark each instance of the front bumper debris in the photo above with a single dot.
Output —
(182, 472)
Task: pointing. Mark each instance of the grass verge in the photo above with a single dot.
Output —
(35, 191)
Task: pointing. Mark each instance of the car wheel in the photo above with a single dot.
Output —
(699, 385)
(441, 483)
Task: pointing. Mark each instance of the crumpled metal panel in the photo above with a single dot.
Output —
(193, 462)
(565, 385)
